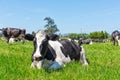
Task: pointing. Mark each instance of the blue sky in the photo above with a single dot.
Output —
(71, 16)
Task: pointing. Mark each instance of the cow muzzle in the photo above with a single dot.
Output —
(38, 58)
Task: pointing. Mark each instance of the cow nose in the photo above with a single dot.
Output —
(37, 58)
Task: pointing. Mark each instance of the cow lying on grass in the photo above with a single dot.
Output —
(54, 54)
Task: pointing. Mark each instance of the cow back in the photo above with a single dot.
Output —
(70, 49)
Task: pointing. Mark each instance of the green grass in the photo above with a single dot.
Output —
(15, 61)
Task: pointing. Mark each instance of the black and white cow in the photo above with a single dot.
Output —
(84, 41)
(116, 37)
(54, 54)
(11, 33)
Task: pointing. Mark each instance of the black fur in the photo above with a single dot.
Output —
(70, 49)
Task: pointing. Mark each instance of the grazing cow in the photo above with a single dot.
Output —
(54, 54)
(13, 33)
(116, 37)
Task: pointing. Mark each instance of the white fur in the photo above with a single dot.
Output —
(91, 42)
(11, 40)
(118, 40)
(60, 58)
(83, 57)
(40, 36)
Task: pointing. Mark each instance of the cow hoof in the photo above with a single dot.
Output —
(85, 64)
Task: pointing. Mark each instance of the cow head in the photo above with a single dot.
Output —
(40, 47)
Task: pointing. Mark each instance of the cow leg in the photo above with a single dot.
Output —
(57, 64)
(118, 42)
(83, 57)
(21, 38)
(37, 64)
(113, 42)
(33, 65)
(117, 39)
(7, 39)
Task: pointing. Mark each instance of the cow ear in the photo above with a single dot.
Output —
(47, 37)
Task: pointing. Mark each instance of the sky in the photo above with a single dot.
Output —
(70, 16)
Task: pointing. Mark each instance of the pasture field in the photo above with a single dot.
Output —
(15, 61)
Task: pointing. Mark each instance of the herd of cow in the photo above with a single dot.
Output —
(49, 51)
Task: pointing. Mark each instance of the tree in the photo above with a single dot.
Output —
(51, 27)
(33, 33)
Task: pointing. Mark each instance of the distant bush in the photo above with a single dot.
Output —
(77, 36)
(99, 35)
(92, 35)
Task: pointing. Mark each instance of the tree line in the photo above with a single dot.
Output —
(92, 35)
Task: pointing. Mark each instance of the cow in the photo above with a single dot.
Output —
(82, 41)
(116, 37)
(13, 33)
(54, 54)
